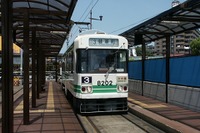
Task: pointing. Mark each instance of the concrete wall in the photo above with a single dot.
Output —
(184, 96)
(155, 90)
(135, 86)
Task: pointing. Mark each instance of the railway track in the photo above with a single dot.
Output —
(126, 123)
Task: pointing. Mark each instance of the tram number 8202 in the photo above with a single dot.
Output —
(104, 83)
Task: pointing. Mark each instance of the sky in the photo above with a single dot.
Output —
(118, 15)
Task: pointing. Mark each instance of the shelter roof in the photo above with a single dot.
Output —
(178, 19)
(50, 19)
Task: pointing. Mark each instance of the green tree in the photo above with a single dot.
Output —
(139, 51)
(149, 52)
(195, 46)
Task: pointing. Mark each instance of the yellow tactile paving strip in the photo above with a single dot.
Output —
(50, 103)
(50, 98)
(53, 113)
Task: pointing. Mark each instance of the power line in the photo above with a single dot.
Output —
(85, 16)
(86, 10)
(131, 25)
(95, 4)
(91, 9)
(84, 13)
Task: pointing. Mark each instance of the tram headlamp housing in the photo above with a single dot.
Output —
(122, 88)
(86, 89)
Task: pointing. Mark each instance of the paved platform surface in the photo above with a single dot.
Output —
(17, 91)
(169, 117)
(52, 115)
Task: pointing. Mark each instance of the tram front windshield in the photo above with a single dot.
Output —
(101, 61)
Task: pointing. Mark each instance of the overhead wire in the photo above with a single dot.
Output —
(86, 10)
(131, 25)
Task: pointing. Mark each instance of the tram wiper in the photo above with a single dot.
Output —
(86, 49)
(110, 69)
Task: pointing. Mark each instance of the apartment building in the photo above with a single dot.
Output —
(179, 44)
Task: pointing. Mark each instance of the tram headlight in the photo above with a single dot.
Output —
(122, 88)
(86, 89)
(119, 88)
(89, 89)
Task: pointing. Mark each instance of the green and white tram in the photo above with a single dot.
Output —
(95, 75)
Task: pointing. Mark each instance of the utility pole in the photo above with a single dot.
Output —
(91, 18)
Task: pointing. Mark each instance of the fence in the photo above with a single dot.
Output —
(184, 80)
(183, 70)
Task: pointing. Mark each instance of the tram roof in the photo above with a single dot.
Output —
(178, 19)
(51, 19)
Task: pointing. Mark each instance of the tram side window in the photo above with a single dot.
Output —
(81, 66)
(122, 62)
(69, 62)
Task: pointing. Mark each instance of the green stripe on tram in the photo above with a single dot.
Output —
(104, 91)
(98, 89)
(77, 88)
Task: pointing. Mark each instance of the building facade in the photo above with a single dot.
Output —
(179, 44)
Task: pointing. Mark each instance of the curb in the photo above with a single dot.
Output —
(152, 121)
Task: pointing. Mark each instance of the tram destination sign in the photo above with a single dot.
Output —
(104, 42)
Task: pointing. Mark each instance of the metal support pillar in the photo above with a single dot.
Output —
(7, 67)
(26, 70)
(56, 69)
(143, 65)
(37, 69)
(167, 66)
(33, 69)
(139, 40)
(43, 69)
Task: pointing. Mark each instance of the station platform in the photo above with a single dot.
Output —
(54, 114)
(170, 118)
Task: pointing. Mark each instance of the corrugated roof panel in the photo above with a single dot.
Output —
(181, 18)
(49, 18)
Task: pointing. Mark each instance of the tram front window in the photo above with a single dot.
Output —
(101, 61)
